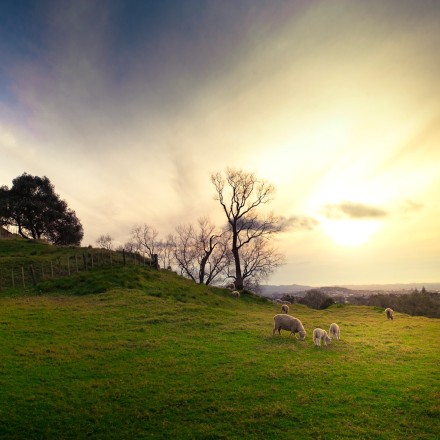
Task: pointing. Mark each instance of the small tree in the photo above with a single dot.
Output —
(145, 240)
(105, 242)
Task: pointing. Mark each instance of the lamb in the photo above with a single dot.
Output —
(235, 294)
(230, 286)
(390, 313)
(334, 331)
(285, 308)
(287, 322)
(319, 334)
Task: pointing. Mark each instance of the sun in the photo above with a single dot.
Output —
(350, 233)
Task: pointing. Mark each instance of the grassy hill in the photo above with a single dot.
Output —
(127, 352)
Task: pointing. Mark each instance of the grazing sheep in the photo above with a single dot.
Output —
(390, 313)
(319, 334)
(285, 308)
(230, 286)
(287, 322)
(334, 331)
(235, 294)
(280, 301)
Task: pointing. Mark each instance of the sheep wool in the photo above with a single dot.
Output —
(320, 334)
(287, 322)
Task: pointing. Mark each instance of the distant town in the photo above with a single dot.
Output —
(345, 293)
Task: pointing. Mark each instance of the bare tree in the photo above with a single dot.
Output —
(105, 242)
(165, 252)
(240, 194)
(144, 239)
(200, 252)
(259, 259)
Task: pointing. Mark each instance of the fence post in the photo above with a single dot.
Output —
(22, 277)
(34, 279)
(123, 256)
(68, 264)
(76, 262)
(85, 261)
(51, 268)
(91, 257)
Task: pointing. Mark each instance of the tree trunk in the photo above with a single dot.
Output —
(235, 253)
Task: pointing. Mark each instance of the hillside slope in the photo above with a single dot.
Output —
(163, 357)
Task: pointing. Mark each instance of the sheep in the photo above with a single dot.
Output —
(235, 294)
(287, 322)
(319, 334)
(285, 308)
(230, 286)
(390, 313)
(334, 331)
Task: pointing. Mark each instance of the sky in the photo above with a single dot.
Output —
(129, 106)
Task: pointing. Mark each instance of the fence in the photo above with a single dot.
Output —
(32, 271)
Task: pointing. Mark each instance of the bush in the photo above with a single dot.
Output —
(316, 300)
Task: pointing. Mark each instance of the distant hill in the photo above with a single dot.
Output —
(271, 291)
(396, 286)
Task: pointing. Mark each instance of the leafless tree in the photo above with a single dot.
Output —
(240, 194)
(105, 242)
(259, 259)
(200, 252)
(145, 239)
(165, 251)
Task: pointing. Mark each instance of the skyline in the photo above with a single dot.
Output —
(128, 107)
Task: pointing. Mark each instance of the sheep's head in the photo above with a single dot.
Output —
(302, 335)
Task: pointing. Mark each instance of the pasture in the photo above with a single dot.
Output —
(161, 357)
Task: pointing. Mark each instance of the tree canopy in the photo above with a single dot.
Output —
(32, 206)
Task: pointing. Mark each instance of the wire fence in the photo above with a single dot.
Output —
(33, 271)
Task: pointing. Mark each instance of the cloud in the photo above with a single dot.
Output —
(352, 210)
(298, 222)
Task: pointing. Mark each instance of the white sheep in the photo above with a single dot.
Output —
(334, 331)
(390, 313)
(287, 322)
(235, 294)
(230, 286)
(319, 334)
(285, 308)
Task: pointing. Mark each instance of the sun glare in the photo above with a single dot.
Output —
(350, 233)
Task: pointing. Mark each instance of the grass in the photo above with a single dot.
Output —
(150, 355)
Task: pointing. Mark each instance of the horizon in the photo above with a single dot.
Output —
(128, 107)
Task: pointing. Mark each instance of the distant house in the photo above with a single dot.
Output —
(5, 234)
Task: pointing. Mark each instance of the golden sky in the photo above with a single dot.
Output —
(128, 111)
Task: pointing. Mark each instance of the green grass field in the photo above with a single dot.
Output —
(132, 353)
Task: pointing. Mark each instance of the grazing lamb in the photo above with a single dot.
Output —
(285, 308)
(230, 286)
(390, 313)
(334, 331)
(287, 322)
(319, 334)
(235, 294)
